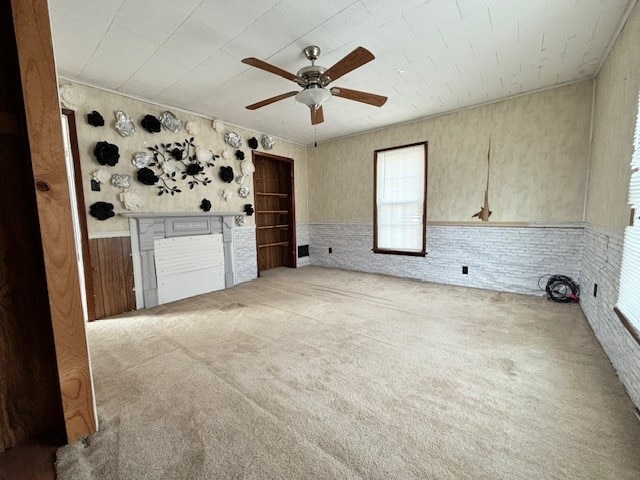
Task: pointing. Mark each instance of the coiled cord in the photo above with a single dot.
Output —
(560, 288)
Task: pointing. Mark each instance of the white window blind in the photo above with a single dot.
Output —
(629, 292)
(400, 194)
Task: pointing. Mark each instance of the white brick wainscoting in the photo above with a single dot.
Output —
(245, 255)
(602, 255)
(302, 238)
(509, 259)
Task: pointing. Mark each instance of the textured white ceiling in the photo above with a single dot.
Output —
(431, 56)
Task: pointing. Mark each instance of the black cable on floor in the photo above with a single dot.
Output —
(560, 288)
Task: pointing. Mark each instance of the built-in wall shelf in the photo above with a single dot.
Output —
(276, 244)
(278, 195)
(270, 227)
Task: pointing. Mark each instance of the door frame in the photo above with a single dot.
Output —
(84, 232)
(292, 214)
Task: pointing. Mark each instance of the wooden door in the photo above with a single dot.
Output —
(275, 211)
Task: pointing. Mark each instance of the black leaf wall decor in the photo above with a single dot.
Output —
(106, 153)
(226, 174)
(95, 119)
(151, 124)
(239, 154)
(205, 205)
(101, 210)
(253, 143)
(145, 175)
(248, 209)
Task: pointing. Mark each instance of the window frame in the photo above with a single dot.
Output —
(387, 251)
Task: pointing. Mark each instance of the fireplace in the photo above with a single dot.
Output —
(147, 228)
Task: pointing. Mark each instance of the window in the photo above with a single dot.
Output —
(400, 208)
(628, 307)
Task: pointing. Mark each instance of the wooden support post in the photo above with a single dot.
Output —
(39, 85)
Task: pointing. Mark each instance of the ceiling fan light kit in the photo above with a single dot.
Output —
(314, 79)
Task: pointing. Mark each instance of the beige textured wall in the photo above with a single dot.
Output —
(617, 88)
(189, 200)
(538, 162)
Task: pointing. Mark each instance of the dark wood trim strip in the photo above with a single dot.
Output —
(40, 96)
(635, 333)
(375, 249)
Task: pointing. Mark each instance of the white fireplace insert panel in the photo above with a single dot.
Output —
(188, 266)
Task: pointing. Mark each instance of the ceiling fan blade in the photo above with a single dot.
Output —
(262, 65)
(317, 115)
(271, 100)
(355, 59)
(358, 96)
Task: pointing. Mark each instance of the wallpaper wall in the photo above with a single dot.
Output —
(188, 200)
(539, 158)
(617, 89)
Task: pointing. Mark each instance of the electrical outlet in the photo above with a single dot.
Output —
(595, 289)
(330, 250)
(465, 270)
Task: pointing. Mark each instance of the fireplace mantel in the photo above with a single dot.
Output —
(147, 227)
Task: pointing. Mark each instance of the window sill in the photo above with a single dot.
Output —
(635, 333)
(399, 252)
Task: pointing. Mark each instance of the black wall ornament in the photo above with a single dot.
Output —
(253, 143)
(248, 209)
(205, 205)
(101, 210)
(239, 155)
(172, 161)
(106, 153)
(226, 174)
(145, 175)
(151, 124)
(95, 119)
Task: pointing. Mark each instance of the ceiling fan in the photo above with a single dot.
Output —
(314, 78)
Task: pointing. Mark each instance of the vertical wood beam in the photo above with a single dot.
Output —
(39, 85)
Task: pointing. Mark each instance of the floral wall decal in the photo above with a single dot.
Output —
(193, 128)
(132, 200)
(95, 119)
(226, 174)
(248, 209)
(71, 96)
(227, 194)
(239, 155)
(151, 124)
(120, 180)
(124, 124)
(106, 153)
(101, 210)
(170, 122)
(145, 175)
(233, 139)
(247, 167)
(252, 143)
(101, 175)
(267, 142)
(239, 220)
(205, 205)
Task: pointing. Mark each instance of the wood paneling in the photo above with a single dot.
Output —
(275, 211)
(112, 273)
(29, 391)
(40, 96)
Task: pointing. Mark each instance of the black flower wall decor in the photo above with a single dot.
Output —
(147, 176)
(226, 174)
(248, 209)
(253, 143)
(106, 153)
(101, 210)
(172, 161)
(151, 124)
(205, 205)
(239, 155)
(95, 119)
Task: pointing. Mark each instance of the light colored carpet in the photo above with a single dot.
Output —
(320, 373)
